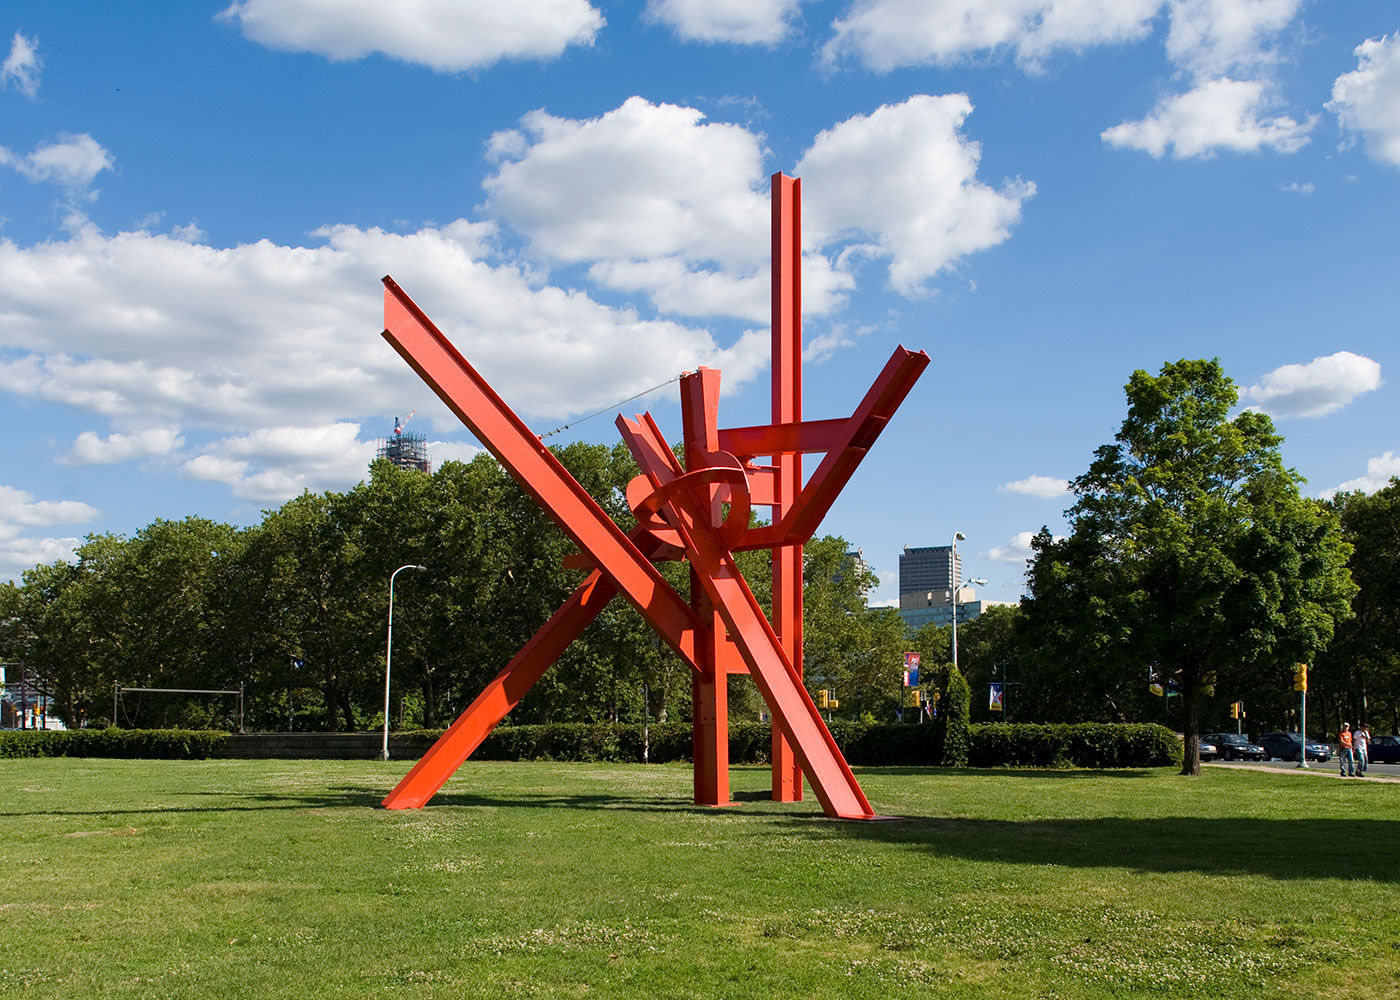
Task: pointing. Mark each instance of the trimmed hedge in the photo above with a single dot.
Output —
(990, 744)
(154, 744)
(1085, 744)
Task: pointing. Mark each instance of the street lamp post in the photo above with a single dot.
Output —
(958, 536)
(389, 653)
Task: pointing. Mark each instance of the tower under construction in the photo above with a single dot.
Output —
(404, 448)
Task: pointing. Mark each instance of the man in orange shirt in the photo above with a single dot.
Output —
(1344, 757)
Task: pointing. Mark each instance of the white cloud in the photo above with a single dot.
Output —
(188, 233)
(744, 22)
(900, 184)
(74, 162)
(162, 331)
(1379, 472)
(904, 180)
(1044, 487)
(89, 449)
(1016, 550)
(19, 552)
(1218, 114)
(448, 36)
(19, 512)
(643, 182)
(262, 335)
(1228, 50)
(1298, 187)
(277, 463)
(1209, 38)
(451, 451)
(19, 507)
(1367, 100)
(22, 66)
(886, 34)
(1322, 386)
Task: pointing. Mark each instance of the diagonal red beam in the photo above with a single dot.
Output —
(848, 450)
(505, 691)
(408, 329)
(462, 738)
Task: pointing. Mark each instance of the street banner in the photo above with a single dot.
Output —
(911, 669)
(996, 698)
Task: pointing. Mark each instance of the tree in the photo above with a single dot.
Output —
(1361, 669)
(1191, 548)
(847, 646)
(989, 653)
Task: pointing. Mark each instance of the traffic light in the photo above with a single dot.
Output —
(823, 698)
(1300, 678)
(1234, 710)
(911, 698)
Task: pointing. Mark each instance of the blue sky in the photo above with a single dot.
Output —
(198, 200)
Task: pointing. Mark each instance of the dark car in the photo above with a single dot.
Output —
(1383, 750)
(1284, 746)
(1206, 749)
(1233, 746)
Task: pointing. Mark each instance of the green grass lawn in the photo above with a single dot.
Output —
(272, 879)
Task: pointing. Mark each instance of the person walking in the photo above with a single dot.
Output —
(1361, 746)
(1344, 752)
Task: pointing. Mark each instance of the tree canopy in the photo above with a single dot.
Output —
(1191, 553)
(295, 609)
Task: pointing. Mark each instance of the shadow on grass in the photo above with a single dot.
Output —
(359, 797)
(1007, 772)
(1275, 848)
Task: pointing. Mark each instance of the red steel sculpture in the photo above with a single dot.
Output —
(697, 511)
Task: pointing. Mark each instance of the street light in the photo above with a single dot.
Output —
(389, 652)
(958, 536)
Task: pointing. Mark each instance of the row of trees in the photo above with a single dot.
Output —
(1192, 559)
(294, 609)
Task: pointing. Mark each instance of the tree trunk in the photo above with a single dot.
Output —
(332, 705)
(348, 710)
(429, 700)
(1190, 700)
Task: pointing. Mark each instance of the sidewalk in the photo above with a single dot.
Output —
(1329, 770)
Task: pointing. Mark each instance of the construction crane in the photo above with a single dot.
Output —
(399, 425)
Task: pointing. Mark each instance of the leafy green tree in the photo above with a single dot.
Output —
(1361, 669)
(1191, 548)
(847, 646)
(989, 651)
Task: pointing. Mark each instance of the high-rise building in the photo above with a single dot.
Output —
(932, 567)
(931, 587)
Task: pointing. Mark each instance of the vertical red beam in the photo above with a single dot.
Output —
(787, 409)
(709, 690)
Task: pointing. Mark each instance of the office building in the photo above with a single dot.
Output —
(932, 567)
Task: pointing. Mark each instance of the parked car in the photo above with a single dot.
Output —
(1233, 746)
(1207, 749)
(1284, 746)
(1383, 750)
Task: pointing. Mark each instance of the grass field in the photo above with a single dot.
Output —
(274, 879)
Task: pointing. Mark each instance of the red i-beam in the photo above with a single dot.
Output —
(698, 511)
